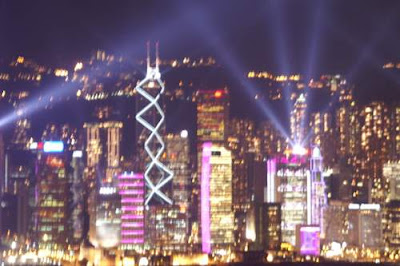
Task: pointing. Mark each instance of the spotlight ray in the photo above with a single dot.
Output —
(276, 17)
(312, 55)
(234, 67)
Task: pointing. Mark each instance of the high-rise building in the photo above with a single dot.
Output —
(151, 118)
(295, 180)
(131, 190)
(248, 173)
(336, 225)
(178, 159)
(51, 196)
(105, 215)
(339, 181)
(322, 135)
(365, 225)
(298, 123)
(212, 125)
(287, 184)
(263, 226)
(212, 115)
(166, 227)
(216, 198)
(347, 125)
(391, 173)
(375, 142)
(77, 204)
(395, 133)
(176, 217)
(103, 142)
(316, 194)
(392, 229)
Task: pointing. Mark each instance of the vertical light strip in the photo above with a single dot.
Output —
(309, 203)
(205, 197)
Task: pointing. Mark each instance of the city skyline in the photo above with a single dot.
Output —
(194, 133)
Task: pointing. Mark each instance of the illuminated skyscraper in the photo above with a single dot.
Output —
(131, 189)
(51, 196)
(77, 204)
(166, 227)
(212, 125)
(216, 198)
(347, 129)
(178, 159)
(395, 133)
(392, 230)
(212, 115)
(391, 174)
(298, 123)
(103, 142)
(322, 135)
(105, 215)
(375, 142)
(316, 196)
(287, 184)
(151, 117)
(365, 224)
(263, 226)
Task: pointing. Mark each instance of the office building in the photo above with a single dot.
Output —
(216, 198)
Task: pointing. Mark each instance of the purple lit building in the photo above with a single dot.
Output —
(217, 220)
(131, 189)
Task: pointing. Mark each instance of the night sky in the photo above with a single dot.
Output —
(309, 37)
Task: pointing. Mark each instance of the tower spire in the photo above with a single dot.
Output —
(148, 55)
(157, 56)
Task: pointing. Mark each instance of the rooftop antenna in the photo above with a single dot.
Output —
(157, 56)
(148, 55)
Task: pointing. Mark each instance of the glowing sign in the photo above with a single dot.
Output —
(107, 190)
(53, 146)
(363, 206)
(309, 240)
(299, 150)
(33, 146)
(205, 198)
(77, 154)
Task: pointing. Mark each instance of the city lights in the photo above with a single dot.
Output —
(242, 144)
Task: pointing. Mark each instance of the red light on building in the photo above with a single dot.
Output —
(218, 94)
(40, 146)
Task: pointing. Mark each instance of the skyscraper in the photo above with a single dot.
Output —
(103, 142)
(391, 174)
(216, 198)
(51, 196)
(212, 115)
(151, 117)
(322, 135)
(374, 152)
(316, 196)
(131, 189)
(287, 184)
(178, 159)
(298, 123)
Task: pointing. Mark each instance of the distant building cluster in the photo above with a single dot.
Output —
(127, 187)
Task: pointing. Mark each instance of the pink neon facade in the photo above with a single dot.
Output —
(205, 197)
(131, 189)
